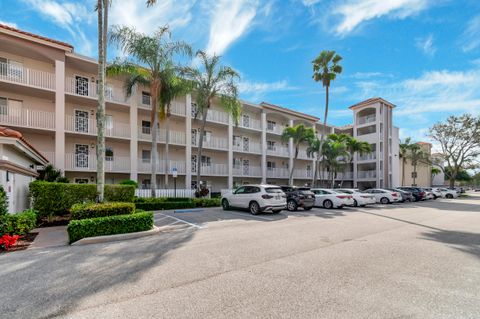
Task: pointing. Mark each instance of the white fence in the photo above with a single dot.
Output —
(146, 193)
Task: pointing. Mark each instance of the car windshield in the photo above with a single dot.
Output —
(344, 191)
(275, 190)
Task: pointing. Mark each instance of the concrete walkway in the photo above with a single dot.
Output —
(50, 237)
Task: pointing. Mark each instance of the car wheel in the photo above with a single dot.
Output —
(277, 211)
(384, 200)
(327, 204)
(355, 203)
(292, 205)
(449, 196)
(254, 208)
(308, 208)
(225, 204)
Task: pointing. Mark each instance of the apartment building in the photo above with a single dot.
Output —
(49, 94)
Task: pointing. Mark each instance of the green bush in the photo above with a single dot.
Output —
(119, 193)
(91, 210)
(162, 199)
(160, 204)
(51, 199)
(207, 202)
(20, 223)
(3, 209)
(122, 224)
(129, 182)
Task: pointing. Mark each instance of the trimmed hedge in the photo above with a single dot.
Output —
(50, 199)
(121, 224)
(84, 211)
(129, 182)
(207, 202)
(169, 203)
(119, 193)
(20, 223)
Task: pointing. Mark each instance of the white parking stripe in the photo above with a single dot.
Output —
(182, 221)
(250, 215)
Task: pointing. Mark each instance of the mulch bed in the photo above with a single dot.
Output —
(57, 221)
(22, 243)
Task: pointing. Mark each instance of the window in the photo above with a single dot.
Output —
(81, 121)
(81, 85)
(194, 164)
(15, 69)
(251, 190)
(240, 190)
(207, 135)
(146, 127)
(146, 155)
(246, 144)
(245, 120)
(108, 154)
(237, 141)
(271, 125)
(194, 110)
(81, 180)
(271, 145)
(3, 106)
(271, 166)
(145, 98)
(81, 155)
(108, 122)
(236, 162)
(246, 167)
(206, 161)
(146, 183)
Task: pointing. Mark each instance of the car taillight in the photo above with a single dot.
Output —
(266, 196)
(394, 194)
(422, 193)
(342, 196)
(363, 196)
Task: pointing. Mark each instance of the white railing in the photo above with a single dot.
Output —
(145, 166)
(344, 175)
(213, 116)
(367, 174)
(251, 123)
(81, 162)
(176, 108)
(27, 118)
(18, 74)
(251, 147)
(279, 151)
(90, 127)
(367, 157)
(302, 154)
(277, 172)
(302, 173)
(90, 89)
(277, 129)
(241, 170)
(214, 142)
(366, 119)
(147, 193)
(212, 169)
(175, 137)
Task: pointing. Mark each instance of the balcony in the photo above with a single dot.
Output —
(176, 108)
(83, 162)
(277, 173)
(16, 73)
(345, 175)
(303, 173)
(250, 123)
(247, 171)
(367, 174)
(276, 129)
(175, 137)
(367, 157)
(27, 118)
(212, 169)
(50, 156)
(251, 147)
(302, 154)
(89, 126)
(366, 119)
(90, 89)
(278, 151)
(145, 166)
(218, 143)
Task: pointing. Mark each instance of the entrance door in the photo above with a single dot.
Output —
(246, 144)
(81, 155)
(81, 121)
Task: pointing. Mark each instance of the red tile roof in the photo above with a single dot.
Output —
(6, 27)
(8, 132)
(371, 101)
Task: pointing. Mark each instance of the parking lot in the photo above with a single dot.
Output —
(414, 260)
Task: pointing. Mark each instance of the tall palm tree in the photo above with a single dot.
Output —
(313, 150)
(355, 146)
(211, 80)
(299, 134)
(326, 67)
(403, 153)
(152, 66)
(335, 155)
(102, 13)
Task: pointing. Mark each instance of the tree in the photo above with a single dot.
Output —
(313, 150)
(335, 155)
(210, 81)
(51, 174)
(416, 156)
(299, 135)
(325, 69)
(403, 152)
(152, 66)
(459, 138)
(434, 171)
(354, 146)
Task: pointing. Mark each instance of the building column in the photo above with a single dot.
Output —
(133, 100)
(60, 115)
(264, 147)
(355, 176)
(290, 150)
(188, 141)
(230, 153)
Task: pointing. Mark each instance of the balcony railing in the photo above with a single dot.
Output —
(213, 116)
(251, 147)
(212, 169)
(213, 142)
(247, 170)
(175, 137)
(27, 118)
(251, 123)
(302, 154)
(176, 108)
(366, 119)
(302, 173)
(83, 162)
(367, 157)
(345, 175)
(367, 174)
(278, 151)
(277, 172)
(277, 129)
(19, 74)
(145, 166)
(89, 126)
(90, 89)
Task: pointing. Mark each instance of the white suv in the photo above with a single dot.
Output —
(448, 193)
(256, 198)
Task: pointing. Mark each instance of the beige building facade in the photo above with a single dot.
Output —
(423, 170)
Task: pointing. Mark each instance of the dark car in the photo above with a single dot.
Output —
(418, 193)
(407, 196)
(299, 197)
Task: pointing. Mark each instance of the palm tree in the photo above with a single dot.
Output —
(299, 135)
(211, 80)
(434, 171)
(416, 156)
(313, 150)
(335, 153)
(403, 153)
(325, 69)
(152, 66)
(355, 146)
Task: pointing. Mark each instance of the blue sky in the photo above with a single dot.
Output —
(422, 55)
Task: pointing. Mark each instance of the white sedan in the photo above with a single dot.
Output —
(448, 193)
(384, 196)
(328, 198)
(359, 198)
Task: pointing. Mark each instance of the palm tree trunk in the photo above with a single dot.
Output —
(403, 171)
(414, 174)
(200, 145)
(324, 129)
(167, 149)
(154, 115)
(100, 152)
(290, 178)
(314, 179)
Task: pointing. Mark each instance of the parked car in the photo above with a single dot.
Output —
(448, 193)
(428, 194)
(384, 196)
(418, 193)
(298, 197)
(328, 198)
(256, 198)
(359, 198)
(435, 191)
(405, 195)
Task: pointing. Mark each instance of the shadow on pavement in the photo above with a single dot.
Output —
(464, 241)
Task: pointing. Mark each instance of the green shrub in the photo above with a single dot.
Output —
(162, 199)
(207, 202)
(51, 199)
(20, 223)
(91, 210)
(129, 182)
(119, 193)
(161, 203)
(3, 209)
(122, 224)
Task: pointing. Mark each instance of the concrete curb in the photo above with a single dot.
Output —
(117, 237)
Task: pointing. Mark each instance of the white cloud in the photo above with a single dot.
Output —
(309, 3)
(258, 90)
(355, 12)
(10, 24)
(471, 35)
(364, 75)
(426, 45)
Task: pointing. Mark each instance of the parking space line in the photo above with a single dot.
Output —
(182, 221)
(252, 216)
